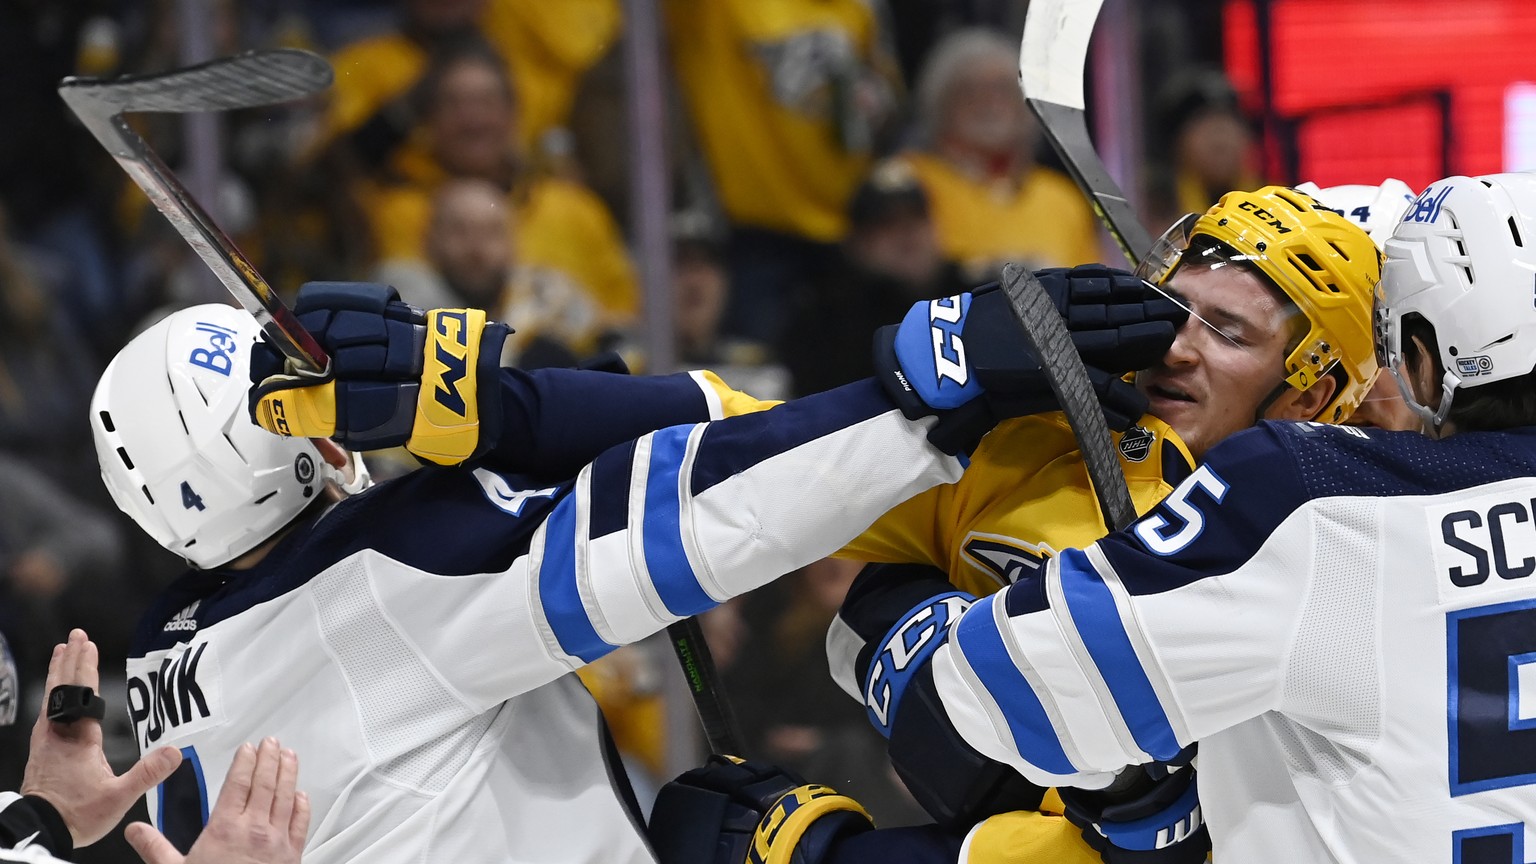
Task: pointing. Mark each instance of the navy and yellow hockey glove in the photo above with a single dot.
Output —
(398, 377)
(966, 359)
(736, 812)
(1155, 821)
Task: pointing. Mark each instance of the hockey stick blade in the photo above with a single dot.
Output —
(1052, 59)
(1048, 338)
(243, 81)
(720, 730)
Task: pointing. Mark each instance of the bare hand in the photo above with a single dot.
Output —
(258, 819)
(67, 768)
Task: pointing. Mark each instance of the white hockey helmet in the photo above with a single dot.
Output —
(178, 450)
(1464, 259)
(1374, 208)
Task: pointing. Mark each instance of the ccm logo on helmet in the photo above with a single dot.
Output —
(219, 355)
(454, 362)
(1264, 215)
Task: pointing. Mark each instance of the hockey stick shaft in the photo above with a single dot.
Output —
(247, 80)
(1048, 337)
(721, 733)
(1052, 59)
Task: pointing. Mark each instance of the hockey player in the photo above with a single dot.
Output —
(415, 640)
(70, 796)
(1339, 616)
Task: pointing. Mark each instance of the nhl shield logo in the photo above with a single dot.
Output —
(1136, 443)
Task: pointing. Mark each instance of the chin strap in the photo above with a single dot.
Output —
(361, 479)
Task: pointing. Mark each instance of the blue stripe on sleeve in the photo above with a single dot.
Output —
(1103, 634)
(557, 587)
(662, 533)
(982, 646)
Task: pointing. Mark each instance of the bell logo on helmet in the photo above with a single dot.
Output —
(1268, 217)
(219, 355)
(1427, 207)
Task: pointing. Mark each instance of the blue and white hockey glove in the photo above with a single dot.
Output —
(893, 619)
(966, 358)
(399, 376)
(1157, 821)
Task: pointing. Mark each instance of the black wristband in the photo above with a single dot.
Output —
(70, 702)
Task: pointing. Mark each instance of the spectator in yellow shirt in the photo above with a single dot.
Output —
(469, 113)
(546, 47)
(785, 100)
(991, 202)
(1202, 146)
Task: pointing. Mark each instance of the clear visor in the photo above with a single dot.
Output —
(1169, 254)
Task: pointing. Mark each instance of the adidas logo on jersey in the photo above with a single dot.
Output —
(183, 620)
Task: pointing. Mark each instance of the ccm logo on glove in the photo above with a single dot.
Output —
(453, 353)
(948, 349)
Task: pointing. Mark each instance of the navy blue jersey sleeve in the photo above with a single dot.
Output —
(554, 421)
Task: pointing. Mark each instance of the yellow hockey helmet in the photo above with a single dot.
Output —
(1327, 265)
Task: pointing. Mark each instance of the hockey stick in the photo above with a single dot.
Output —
(1048, 337)
(244, 81)
(715, 715)
(1051, 63)
(247, 81)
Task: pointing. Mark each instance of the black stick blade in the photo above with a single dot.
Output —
(242, 81)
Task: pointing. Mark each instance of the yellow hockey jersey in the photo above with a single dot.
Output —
(1025, 496)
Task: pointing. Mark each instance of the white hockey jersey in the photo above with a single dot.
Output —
(414, 645)
(1344, 620)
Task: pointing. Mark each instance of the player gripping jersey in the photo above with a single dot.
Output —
(1027, 495)
(414, 641)
(1336, 615)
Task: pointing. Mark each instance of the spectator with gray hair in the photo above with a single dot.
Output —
(975, 158)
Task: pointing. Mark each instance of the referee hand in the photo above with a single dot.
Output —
(259, 818)
(66, 766)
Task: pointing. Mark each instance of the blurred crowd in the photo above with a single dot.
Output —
(830, 161)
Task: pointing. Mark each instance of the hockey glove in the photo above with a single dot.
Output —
(1157, 821)
(398, 376)
(735, 812)
(966, 359)
(893, 619)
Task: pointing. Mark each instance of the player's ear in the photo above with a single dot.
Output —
(1304, 404)
(1423, 377)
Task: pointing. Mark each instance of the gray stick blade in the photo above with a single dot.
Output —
(1048, 337)
(242, 81)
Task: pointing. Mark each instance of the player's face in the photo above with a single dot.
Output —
(1219, 372)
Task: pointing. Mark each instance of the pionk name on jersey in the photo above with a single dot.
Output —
(167, 697)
